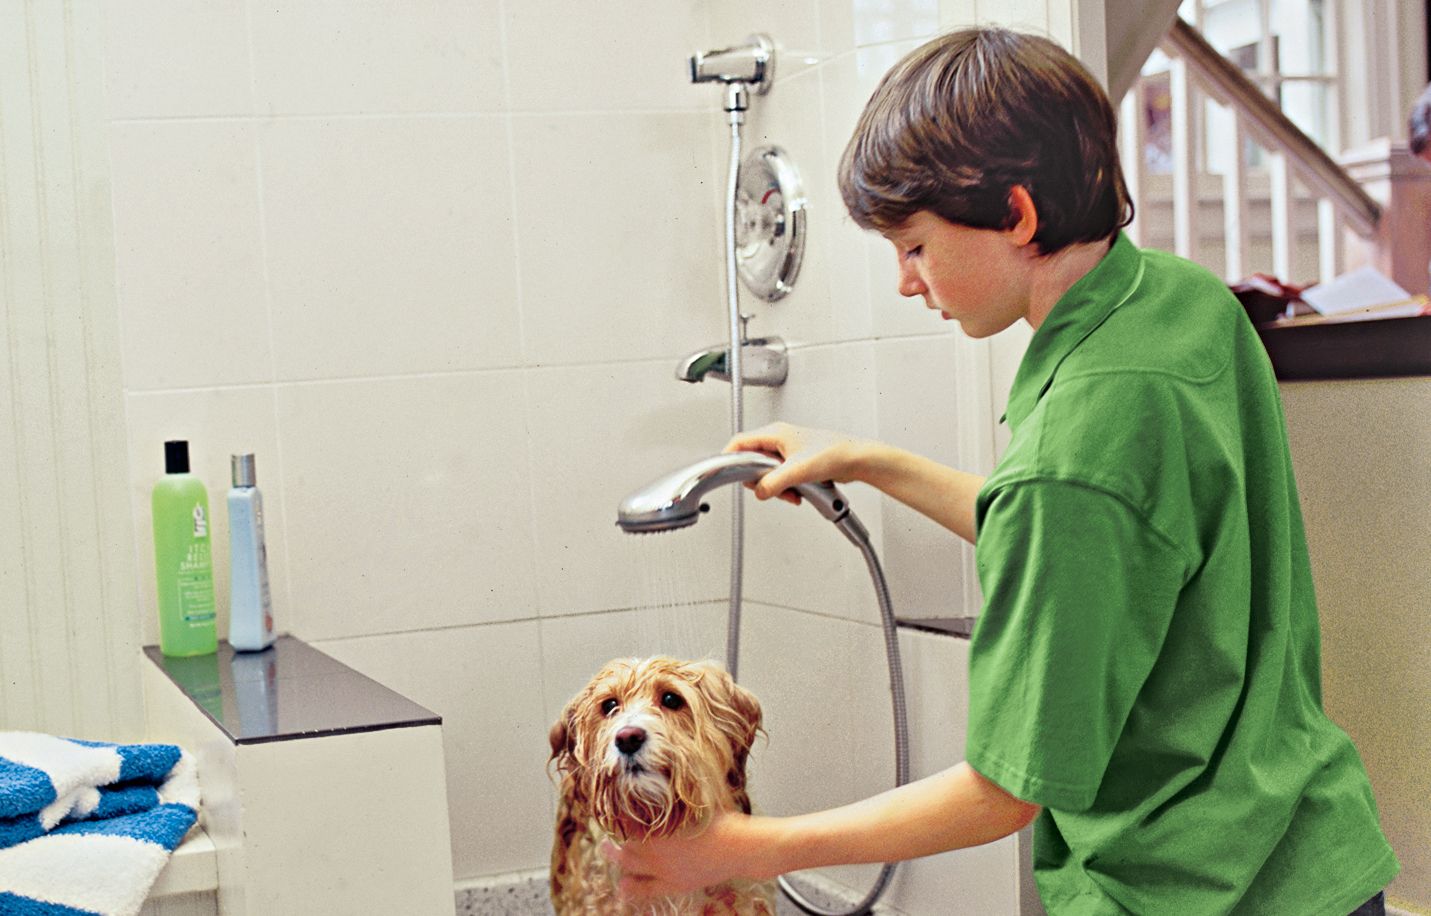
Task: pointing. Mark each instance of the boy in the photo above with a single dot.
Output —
(1144, 677)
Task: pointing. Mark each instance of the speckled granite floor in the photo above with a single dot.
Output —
(525, 894)
(517, 894)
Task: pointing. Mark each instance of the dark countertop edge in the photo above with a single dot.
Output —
(329, 732)
(1383, 348)
(957, 627)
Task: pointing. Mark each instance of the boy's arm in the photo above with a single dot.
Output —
(812, 455)
(949, 810)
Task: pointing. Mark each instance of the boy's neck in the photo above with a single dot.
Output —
(1055, 275)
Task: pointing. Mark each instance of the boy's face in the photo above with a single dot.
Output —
(977, 277)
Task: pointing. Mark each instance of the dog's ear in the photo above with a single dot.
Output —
(558, 738)
(740, 718)
(738, 710)
(748, 707)
(561, 739)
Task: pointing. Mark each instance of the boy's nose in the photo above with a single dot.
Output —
(909, 282)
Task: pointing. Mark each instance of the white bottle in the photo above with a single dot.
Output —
(250, 611)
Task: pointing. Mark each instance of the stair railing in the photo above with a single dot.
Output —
(1341, 201)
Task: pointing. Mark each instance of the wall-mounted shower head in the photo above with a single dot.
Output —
(674, 501)
(752, 63)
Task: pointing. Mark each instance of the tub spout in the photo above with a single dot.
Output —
(764, 363)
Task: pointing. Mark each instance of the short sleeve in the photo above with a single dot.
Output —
(1079, 592)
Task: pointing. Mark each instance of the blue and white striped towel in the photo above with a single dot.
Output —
(86, 826)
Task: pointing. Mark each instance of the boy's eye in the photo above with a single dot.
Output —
(672, 700)
(608, 706)
(913, 252)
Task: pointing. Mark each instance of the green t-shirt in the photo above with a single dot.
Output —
(1147, 663)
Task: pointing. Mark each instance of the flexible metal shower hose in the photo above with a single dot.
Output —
(901, 736)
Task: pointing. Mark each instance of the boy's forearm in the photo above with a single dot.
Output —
(934, 490)
(954, 809)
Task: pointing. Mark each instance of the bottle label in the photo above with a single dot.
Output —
(197, 560)
(196, 583)
(201, 524)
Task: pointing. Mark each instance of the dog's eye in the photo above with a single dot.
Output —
(608, 706)
(672, 700)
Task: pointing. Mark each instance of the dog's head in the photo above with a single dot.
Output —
(652, 745)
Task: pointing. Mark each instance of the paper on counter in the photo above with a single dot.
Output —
(1359, 289)
(1416, 305)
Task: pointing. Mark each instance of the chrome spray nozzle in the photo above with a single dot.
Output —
(675, 500)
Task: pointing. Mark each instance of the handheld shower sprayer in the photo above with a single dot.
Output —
(675, 500)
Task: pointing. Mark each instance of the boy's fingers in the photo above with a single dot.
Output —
(761, 446)
(764, 488)
(770, 440)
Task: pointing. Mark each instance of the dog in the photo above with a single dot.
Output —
(648, 748)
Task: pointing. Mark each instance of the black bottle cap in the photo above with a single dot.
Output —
(176, 456)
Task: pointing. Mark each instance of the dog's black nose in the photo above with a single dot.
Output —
(630, 739)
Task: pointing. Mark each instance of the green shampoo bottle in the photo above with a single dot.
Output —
(183, 561)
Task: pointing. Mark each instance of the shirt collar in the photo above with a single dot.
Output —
(1085, 306)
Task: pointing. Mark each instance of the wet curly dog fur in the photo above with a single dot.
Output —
(649, 747)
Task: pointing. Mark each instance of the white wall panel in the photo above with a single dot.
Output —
(68, 634)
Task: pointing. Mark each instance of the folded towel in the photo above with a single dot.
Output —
(86, 826)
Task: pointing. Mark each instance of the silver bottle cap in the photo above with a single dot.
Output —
(243, 472)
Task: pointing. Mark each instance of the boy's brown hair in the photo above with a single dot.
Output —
(963, 119)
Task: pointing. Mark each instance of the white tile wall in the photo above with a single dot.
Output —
(68, 632)
(931, 573)
(594, 57)
(486, 683)
(390, 247)
(189, 259)
(1026, 15)
(598, 433)
(793, 557)
(435, 264)
(408, 503)
(619, 236)
(373, 56)
(173, 58)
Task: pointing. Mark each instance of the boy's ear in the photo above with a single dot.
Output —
(1024, 216)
